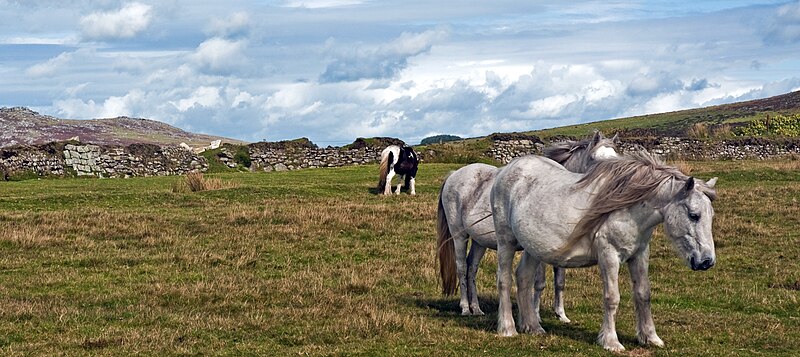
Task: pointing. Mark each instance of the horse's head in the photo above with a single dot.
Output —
(687, 222)
(602, 148)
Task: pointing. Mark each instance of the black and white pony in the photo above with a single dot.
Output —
(398, 160)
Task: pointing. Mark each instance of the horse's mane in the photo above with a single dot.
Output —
(561, 152)
(624, 181)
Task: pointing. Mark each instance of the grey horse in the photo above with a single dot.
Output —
(462, 216)
(605, 218)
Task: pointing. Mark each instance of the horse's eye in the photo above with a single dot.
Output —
(694, 216)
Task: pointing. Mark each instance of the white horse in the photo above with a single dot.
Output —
(398, 160)
(463, 209)
(606, 218)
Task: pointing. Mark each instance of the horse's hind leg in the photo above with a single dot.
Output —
(473, 262)
(538, 286)
(387, 190)
(528, 314)
(559, 280)
(412, 186)
(505, 262)
(460, 243)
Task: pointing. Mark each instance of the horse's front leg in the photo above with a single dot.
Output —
(527, 270)
(473, 262)
(608, 261)
(400, 184)
(559, 281)
(645, 328)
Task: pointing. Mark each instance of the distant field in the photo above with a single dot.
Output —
(311, 262)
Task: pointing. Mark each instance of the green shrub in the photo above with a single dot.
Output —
(778, 125)
(242, 156)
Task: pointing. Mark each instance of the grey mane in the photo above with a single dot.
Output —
(562, 151)
(624, 182)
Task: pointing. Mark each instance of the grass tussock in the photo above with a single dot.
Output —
(196, 182)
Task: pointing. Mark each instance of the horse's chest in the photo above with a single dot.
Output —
(404, 167)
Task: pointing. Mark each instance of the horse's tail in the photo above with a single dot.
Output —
(445, 251)
(384, 171)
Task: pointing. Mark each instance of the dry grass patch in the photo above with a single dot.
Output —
(311, 263)
(196, 182)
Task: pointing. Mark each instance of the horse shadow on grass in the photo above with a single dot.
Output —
(377, 191)
(447, 309)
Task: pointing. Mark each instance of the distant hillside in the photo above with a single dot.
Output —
(22, 126)
(679, 123)
(721, 122)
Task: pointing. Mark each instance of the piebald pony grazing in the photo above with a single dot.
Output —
(605, 218)
(462, 216)
(398, 160)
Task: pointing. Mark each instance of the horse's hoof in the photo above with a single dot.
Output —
(507, 332)
(564, 319)
(532, 330)
(465, 312)
(618, 347)
(476, 311)
(652, 341)
(610, 342)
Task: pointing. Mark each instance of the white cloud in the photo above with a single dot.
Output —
(385, 61)
(219, 55)
(50, 67)
(111, 107)
(237, 23)
(204, 96)
(126, 22)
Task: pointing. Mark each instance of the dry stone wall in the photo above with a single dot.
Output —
(93, 160)
(671, 148)
(506, 150)
(24, 160)
(150, 160)
(267, 159)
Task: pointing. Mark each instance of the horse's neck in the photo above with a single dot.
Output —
(577, 162)
(653, 208)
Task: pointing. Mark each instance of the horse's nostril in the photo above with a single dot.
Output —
(706, 264)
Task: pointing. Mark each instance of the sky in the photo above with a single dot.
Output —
(335, 70)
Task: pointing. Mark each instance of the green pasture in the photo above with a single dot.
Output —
(312, 262)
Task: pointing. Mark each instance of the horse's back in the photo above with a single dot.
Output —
(465, 197)
(534, 198)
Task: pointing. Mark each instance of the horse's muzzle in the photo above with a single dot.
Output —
(705, 264)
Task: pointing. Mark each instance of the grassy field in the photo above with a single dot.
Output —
(311, 262)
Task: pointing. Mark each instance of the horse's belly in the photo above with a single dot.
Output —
(581, 255)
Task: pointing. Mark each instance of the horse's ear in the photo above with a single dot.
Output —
(690, 184)
(615, 139)
(597, 137)
(710, 183)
